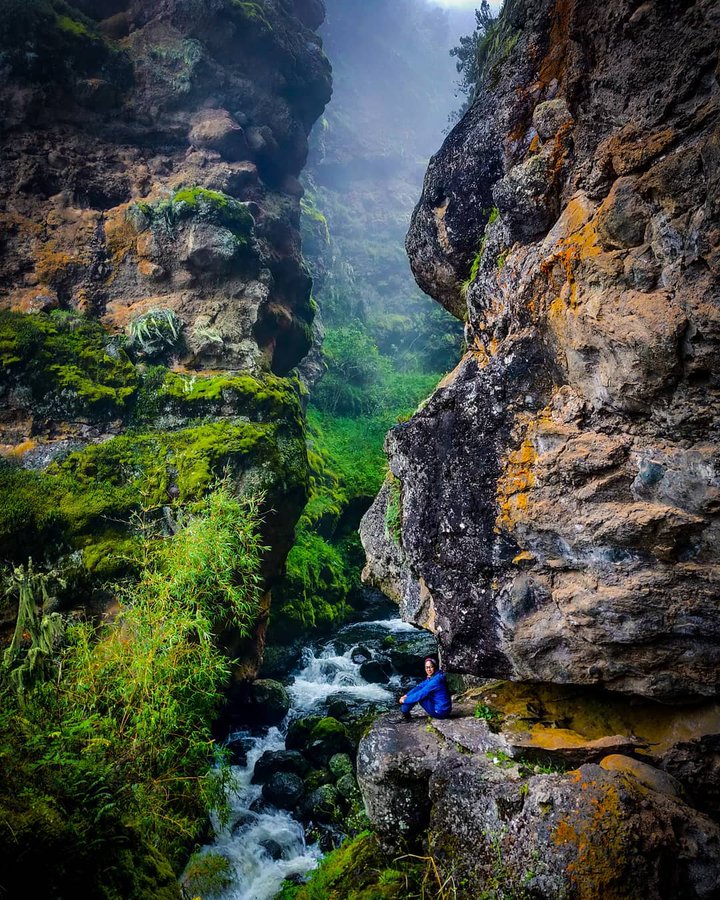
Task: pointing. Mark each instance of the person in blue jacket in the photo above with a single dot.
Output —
(432, 694)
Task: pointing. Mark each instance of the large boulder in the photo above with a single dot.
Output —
(619, 829)
(559, 505)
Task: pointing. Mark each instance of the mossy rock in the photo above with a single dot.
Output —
(194, 204)
(328, 737)
(299, 731)
(64, 366)
(340, 764)
(317, 777)
(323, 805)
(71, 504)
(262, 397)
(358, 870)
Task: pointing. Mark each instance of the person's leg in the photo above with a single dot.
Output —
(406, 707)
(428, 705)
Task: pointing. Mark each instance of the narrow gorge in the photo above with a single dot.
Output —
(208, 328)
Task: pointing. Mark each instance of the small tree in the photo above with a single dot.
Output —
(471, 55)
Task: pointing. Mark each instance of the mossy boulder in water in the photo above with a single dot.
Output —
(328, 737)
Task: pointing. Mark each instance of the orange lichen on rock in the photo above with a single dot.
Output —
(515, 483)
(119, 235)
(596, 830)
(554, 63)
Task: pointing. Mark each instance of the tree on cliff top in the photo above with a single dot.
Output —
(471, 55)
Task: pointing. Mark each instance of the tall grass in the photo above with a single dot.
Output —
(117, 741)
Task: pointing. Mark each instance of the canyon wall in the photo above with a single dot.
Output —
(153, 296)
(559, 493)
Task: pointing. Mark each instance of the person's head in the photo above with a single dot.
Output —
(431, 665)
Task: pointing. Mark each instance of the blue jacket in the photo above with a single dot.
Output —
(434, 688)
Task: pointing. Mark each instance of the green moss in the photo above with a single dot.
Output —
(194, 203)
(358, 870)
(87, 501)
(73, 26)
(393, 511)
(207, 874)
(493, 215)
(251, 12)
(316, 217)
(50, 41)
(67, 363)
(264, 396)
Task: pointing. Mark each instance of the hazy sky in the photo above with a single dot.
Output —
(466, 4)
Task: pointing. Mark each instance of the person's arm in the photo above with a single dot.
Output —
(420, 691)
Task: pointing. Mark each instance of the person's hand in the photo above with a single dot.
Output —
(403, 698)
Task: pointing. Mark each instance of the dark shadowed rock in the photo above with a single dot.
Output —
(273, 761)
(284, 790)
(374, 672)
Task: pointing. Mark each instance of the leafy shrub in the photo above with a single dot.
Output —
(117, 741)
(154, 333)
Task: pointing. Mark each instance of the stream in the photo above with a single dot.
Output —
(264, 844)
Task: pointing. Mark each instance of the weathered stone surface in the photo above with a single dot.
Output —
(619, 829)
(273, 761)
(560, 490)
(284, 789)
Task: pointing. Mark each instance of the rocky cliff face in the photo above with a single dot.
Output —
(560, 491)
(150, 269)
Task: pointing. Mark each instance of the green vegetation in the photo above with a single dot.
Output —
(393, 511)
(87, 500)
(155, 332)
(174, 63)
(490, 715)
(198, 203)
(207, 874)
(109, 758)
(347, 467)
(251, 12)
(493, 216)
(50, 41)
(68, 364)
(358, 870)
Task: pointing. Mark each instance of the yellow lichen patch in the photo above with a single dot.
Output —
(562, 266)
(54, 266)
(515, 484)
(597, 833)
(594, 714)
(17, 451)
(119, 236)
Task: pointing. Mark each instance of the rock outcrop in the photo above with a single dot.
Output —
(153, 295)
(560, 491)
(499, 823)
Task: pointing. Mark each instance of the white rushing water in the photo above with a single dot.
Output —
(266, 845)
(327, 673)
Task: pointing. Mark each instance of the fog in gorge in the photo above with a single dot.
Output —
(394, 92)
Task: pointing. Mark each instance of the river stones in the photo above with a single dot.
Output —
(284, 789)
(273, 761)
(374, 672)
(340, 764)
(322, 804)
